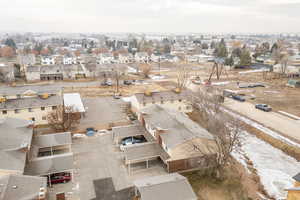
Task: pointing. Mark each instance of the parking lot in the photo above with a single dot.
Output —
(97, 161)
(102, 111)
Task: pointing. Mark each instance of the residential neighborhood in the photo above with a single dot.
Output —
(149, 100)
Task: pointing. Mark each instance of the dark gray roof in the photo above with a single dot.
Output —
(12, 104)
(15, 136)
(20, 187)
(297, 177)
(170, 186)
(158, 96)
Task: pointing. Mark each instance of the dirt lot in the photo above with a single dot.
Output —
(238, 185)
(276, 93)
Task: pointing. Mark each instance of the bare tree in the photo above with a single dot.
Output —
(145, 69)
(63, 118)
(207, 103)
(226, 131)
(281, 58)
(117, 73)
(182, 76)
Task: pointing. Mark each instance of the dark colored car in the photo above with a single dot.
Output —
(253, 85)
(263, 107)
(127, 82)
(59, 178)
(238, 98)
(133, 140)
(90, 131)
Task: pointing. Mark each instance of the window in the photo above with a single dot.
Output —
(30, 110)
(161, 100)
(42, 108)
(44, 118)
(33, 119)
(179, 100)
(179, 108)
(4, 112)
(54, 107)
(17, 111)
(18, 96)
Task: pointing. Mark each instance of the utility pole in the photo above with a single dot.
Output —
(159, 65)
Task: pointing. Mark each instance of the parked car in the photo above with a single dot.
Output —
(59, 178)
(132, 140)
(127, 82)
(116, 96)
(90, 131)
(238, 98)
(253, 85)
(263, 107)
(107, 83)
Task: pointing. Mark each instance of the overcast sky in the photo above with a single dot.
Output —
(264, 16)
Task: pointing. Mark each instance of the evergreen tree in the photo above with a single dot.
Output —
(245, 59)
(11, 43)
(221, 49)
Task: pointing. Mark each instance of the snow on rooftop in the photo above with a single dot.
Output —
(74, 100)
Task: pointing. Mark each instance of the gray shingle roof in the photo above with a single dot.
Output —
(170, 186)
(50, 164)
(36, 102)
(177, 126)
(52, 140)
(39, 89)
(158, 96)
(13, 138)
(21, 187)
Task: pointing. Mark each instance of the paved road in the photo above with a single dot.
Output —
(273, 120)
(280, 123)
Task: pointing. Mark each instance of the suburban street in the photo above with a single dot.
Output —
(285, 125)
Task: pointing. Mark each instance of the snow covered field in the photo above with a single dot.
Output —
(274, 167)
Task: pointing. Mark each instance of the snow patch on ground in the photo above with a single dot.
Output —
(273, 166)
(131, 70)
(221, 83)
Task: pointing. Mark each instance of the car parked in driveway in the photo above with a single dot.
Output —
(263, 107)
(133, 140)
(238, 98)
(59, 178)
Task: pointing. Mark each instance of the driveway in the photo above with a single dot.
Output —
(102, 111)
(97, 160)
(285, 125)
